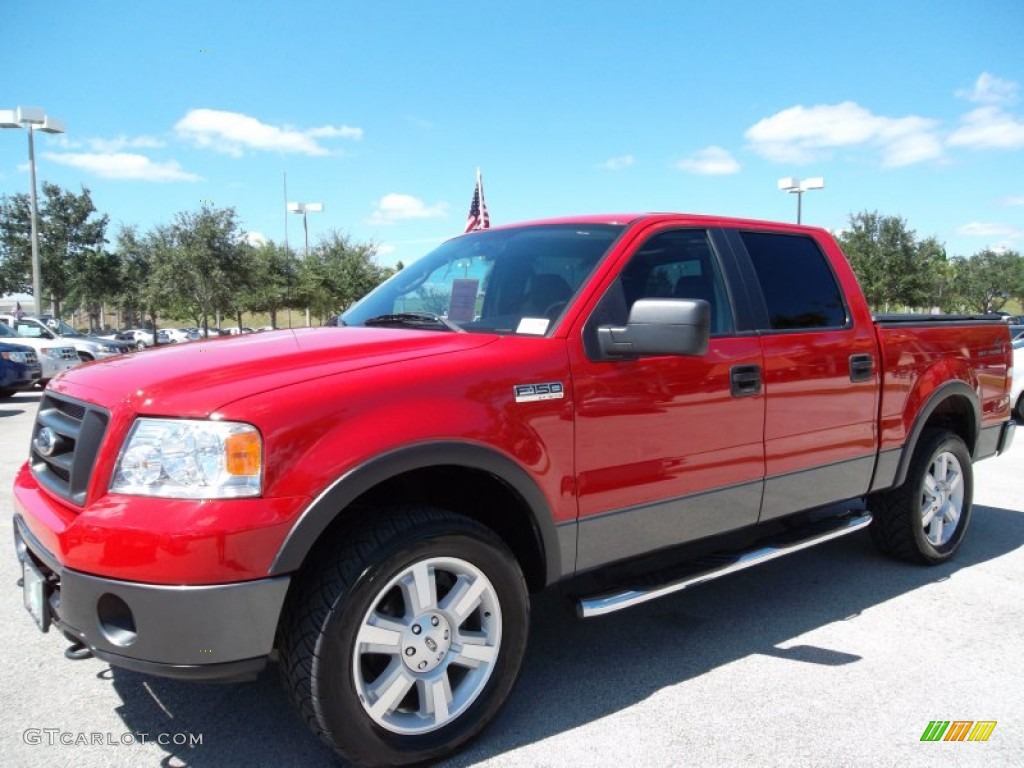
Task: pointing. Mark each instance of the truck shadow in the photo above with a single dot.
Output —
(666, 642)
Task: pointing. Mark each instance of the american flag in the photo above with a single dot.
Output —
(478, 217)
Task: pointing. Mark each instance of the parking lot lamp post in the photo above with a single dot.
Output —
(305, 208)
(798, 187)
(33, 119)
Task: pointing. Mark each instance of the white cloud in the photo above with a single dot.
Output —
(804, 134)
(385, 249)
(121, 165)
(617, 163)
(988, 229)
(109, 145)
(396, 207)
(989, 89)
(988, 128)
(233, 132)
(1015, 200)
(255, 238)
(710, 161)
(336, 132)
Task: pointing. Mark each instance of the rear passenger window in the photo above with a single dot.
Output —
(796, 280)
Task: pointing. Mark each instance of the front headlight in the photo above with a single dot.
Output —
(54, 352)
(183, 459)
(15, 357)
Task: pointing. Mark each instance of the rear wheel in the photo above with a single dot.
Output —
(403, 638)
(85, 357)
(6, 393)
(925, 519)
(1018, 409)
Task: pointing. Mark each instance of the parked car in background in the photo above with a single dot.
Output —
(139, 337)
(54, 329)
(19, 368)
(1016, 331)
(1017, 390)
(178, 335)
(53, 358)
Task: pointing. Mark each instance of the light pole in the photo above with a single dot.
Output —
(798, 187)
(34, 119)
(305, 208)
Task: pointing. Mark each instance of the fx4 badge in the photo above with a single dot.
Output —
(527, 393)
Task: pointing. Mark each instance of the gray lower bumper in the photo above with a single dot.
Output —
(222, 631)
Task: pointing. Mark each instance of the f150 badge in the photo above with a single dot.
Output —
(527, 393)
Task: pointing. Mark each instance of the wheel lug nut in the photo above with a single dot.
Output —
(423, 665)
(416, 629)
(434, 620)
(410, 651)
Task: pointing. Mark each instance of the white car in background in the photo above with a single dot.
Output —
(140, 337)
(53, 358)
(177, 335)
(1017, 391)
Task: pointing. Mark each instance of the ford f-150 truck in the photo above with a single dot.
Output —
(575, 400)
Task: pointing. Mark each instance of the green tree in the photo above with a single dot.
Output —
(988, 279)
(337, 273)
(97, 281)
(140, 294)
(71, 232)
(894, 268)
(200, 260)
(272, 276)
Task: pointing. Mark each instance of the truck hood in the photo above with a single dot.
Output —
(195, 379)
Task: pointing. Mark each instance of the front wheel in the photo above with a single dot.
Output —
(925, 519)
(403, 638)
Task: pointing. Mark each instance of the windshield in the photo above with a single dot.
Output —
(517, 280)
(6, 331)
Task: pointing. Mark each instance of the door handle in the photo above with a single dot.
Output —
(745, 380)
(862, 367)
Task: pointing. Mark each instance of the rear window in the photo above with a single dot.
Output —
(796, 280)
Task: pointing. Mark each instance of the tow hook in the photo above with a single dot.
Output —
(77, 651)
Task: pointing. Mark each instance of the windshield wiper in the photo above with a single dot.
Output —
(414, 320)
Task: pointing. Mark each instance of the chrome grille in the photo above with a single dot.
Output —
(65, 440)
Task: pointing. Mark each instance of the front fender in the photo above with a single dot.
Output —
(315, 519)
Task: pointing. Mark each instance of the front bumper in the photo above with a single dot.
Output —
(52, 366)
(218, 632)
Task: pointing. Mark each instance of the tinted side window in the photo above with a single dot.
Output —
(798, 285)
(678, 264)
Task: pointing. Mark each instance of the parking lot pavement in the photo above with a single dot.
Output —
(831, 656)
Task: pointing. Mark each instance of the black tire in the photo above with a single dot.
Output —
(1018, 409)
(85, 357)
(6, 393)
(330, 655)
(907, 522)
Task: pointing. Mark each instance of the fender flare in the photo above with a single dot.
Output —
(941, 394)
(315, 519)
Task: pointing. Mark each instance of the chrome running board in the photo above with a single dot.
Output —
(708, 569)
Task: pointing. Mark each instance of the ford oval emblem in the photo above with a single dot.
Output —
(46, 441)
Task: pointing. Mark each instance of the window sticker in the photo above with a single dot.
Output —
(533, 326)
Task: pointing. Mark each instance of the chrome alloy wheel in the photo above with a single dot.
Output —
(428, 645)
(942, 498)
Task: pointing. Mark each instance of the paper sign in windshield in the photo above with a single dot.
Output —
(462, 306)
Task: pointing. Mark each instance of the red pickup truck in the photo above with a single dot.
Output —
(590, 401)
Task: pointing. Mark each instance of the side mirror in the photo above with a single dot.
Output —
(659, 327)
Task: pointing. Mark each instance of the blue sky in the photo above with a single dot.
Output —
(383, 111)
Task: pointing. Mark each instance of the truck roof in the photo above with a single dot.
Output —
(632, 218)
